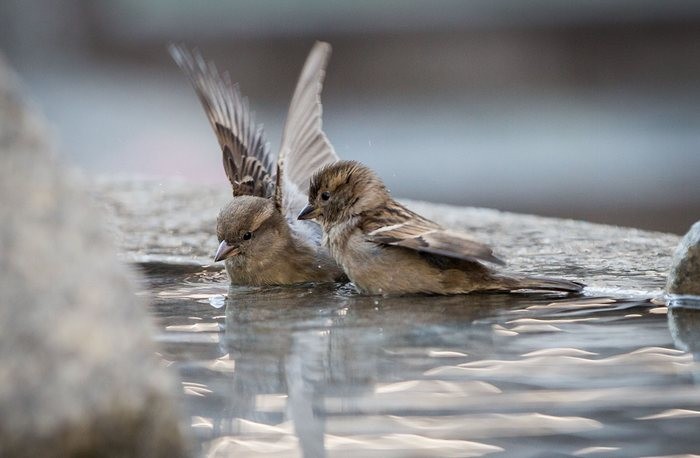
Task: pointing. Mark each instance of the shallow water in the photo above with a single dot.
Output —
(323, 371)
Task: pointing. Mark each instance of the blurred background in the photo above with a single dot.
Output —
(586, 110)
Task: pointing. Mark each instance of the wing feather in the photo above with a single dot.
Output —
(246, 154)
(305, 147)
(396, 225)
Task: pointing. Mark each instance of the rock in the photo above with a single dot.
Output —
(174, 222)
(684, 276)
(78, 369)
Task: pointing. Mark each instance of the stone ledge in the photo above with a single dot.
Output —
(174, 221)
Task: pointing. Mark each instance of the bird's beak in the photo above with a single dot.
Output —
(309, 212)
(225, 251)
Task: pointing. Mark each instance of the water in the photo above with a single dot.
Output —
(322, 371)
(313, 371)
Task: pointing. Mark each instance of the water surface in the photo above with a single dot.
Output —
(318, 370)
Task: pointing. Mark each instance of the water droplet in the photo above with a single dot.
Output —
(217, 301)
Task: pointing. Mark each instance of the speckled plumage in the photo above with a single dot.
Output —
(385, 248)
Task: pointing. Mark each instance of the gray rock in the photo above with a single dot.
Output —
(174, 222)
(78, 369)
(684, 276)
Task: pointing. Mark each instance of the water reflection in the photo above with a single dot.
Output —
(321, 371)
(684, 324)
(308, 361)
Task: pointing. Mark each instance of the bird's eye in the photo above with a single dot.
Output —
(247, 236)
(325, 195)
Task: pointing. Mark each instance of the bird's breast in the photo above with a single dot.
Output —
(338, 238)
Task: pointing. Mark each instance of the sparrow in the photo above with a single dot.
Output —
(385, 248)
(260, 240)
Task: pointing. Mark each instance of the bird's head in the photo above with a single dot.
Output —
(341, 190)
(249, 227)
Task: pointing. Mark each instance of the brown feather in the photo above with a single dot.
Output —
(396, 225)
(245, 152)
(305, 147)
(248, 163)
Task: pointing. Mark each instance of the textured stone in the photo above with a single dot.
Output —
(684, 276)
(174, 221)
(78, 370)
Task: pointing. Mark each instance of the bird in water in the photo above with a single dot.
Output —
(385, 248)
(260, 239)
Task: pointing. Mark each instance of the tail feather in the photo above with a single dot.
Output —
(543, 284)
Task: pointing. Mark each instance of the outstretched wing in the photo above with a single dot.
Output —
(246, 155)
(398, 226)
(305, 148)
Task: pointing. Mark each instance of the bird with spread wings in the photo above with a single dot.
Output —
(260, 238)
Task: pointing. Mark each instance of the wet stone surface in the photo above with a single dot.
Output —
(684, 276)
(317, 370)
(174, 222)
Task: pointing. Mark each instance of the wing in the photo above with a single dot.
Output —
(398, 226)
(246, 155)
(305, 148)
